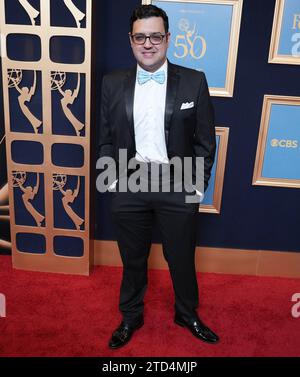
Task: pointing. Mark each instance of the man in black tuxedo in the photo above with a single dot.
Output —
(156, 111)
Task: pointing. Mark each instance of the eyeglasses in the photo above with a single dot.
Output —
(140, 39)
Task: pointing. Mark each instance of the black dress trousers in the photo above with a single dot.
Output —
(133, 215)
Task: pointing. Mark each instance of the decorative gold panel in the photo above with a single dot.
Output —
(46, 72)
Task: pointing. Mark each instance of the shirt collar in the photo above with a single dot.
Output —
(164, 68)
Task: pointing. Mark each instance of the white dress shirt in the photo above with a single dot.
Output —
(149, 119)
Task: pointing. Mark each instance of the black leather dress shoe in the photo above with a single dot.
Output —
(198, 329)
(123, 334)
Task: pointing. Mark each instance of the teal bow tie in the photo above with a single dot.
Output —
(144, 76)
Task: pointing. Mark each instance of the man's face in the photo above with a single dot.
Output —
(149, 56)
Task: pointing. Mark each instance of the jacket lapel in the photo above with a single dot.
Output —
(172, 85)
(129, 86)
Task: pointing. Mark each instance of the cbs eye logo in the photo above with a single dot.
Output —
(283, 143)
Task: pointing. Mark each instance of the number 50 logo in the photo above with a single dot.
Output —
(2, 305)
(189, 43)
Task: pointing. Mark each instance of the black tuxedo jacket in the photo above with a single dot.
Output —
(188, 132)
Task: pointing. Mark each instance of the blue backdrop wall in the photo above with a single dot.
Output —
(252, 217)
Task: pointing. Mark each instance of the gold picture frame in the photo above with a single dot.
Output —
(218, 179)
(281, 144)
(278, 24)
(225, 86)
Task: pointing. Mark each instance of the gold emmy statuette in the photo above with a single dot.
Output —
(77, 14)
(30, 10)
(29, 193)
(58, 79)
(14, 77)
(69, 196)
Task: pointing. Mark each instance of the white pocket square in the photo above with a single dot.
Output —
(187, 105)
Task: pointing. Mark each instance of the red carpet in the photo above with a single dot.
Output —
(61, 315)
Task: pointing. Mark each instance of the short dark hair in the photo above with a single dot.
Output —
(147, 11)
